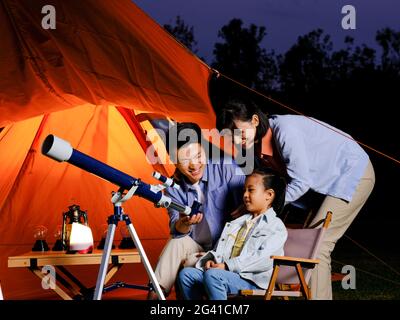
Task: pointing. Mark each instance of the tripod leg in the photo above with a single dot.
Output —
(104, 261)
(143, 256)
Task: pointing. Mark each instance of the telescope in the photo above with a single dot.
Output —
(60, 150)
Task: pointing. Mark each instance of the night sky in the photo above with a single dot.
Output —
(284, 20)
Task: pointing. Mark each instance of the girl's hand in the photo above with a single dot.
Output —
(210, 264)
(219, 266)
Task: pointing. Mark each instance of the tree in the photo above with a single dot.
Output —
(389, 40)
(183, 33)
(241, 57)
(329, 85)
(305, 67)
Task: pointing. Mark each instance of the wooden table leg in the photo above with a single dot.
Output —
(67, 283)
(113, 270)
(73, 280)
(57, 289)
(70, 282)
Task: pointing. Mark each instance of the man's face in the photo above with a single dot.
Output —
(192, 161)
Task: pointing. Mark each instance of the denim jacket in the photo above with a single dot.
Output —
(254, 263)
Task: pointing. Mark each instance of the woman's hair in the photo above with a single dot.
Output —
(276, 182)
(242, 109)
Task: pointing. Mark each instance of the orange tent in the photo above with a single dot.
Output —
(68, 81)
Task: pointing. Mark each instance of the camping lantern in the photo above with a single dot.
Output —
(40, 234)
(80, 239)
(73, 215)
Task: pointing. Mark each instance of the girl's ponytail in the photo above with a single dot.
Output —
(272, 180)
(279, 186)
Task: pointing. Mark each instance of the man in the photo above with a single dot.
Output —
(217, 186)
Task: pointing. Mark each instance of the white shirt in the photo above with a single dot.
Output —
(200, 195)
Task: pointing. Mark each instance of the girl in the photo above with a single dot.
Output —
(313, 156)
(242, 256)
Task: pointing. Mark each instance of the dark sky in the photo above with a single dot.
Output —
(284, 20)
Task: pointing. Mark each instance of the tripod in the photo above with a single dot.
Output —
(117, 199)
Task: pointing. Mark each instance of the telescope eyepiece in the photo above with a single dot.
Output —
(167, 182)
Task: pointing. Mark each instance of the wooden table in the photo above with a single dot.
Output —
(73, 288)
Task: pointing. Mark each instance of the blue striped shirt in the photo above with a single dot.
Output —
(222, 187)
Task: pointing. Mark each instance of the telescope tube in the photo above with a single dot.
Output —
(61, 150)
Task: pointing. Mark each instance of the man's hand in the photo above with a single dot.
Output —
(183, 224)
(194, 219)
(210, 264)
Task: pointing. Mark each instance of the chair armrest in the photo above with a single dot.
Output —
(290, 261)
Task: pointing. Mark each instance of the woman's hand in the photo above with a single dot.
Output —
(210, 264)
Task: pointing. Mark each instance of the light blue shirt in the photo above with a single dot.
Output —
(254, 263)
(222, 188)
(318, 157)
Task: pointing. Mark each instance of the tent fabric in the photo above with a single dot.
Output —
(102, 52)
(72, 82)
(43, 189)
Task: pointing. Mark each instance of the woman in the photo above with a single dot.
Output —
(312, 155)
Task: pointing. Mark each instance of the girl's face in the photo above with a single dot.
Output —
(245, 133)
(256, 198)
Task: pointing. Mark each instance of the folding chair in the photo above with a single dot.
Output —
(301, 250)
